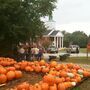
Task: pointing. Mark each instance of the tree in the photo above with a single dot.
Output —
(88, 38)
(79, 38)
(67, 39)
(20, 21)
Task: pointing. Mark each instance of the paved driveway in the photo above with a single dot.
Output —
(80, 55)
(46, 55)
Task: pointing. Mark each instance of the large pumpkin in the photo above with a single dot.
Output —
(37, 87)
(61, 86)
(44, 86)
(50, 79)
(3, 78)
(10, 75)
(2, 70)
(53, 87)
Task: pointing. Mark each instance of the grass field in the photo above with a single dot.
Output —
(82, 50)
(79, 60)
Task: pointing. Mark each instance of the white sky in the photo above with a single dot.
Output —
(73, 15)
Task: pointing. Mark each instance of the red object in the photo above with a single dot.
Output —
(88, 46)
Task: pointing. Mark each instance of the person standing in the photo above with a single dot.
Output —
(36, 53)
(40, 54)
(21, 52)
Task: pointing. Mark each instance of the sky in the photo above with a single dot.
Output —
(72, 15)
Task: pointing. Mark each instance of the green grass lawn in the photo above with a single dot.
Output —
(83, 50)
(79, 60)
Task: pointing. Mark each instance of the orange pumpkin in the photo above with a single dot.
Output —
(23, 86)
(78, 78)
(3, 70)
(37, 68)
(68, 84)
(67, 79)
(86, 74)
(50, 79)
(52, 72)
(63, 74)
(54, 87)
(37, 87)
(58, 80)
(28, 68)
(17, 66)
(10, 68)
(10, 75)
(53, 63)
(18, 74)
(45, 69)
(61, 86)
(23, 64)
(58, 67)
(31, 87)
(70, 65)
(42, 62)
(3, 78)
(44, 86)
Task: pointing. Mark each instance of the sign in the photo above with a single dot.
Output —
(88, 46)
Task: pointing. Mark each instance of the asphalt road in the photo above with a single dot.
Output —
(46, 55)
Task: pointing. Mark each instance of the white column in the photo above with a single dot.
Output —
(62, 42)
(57, 42)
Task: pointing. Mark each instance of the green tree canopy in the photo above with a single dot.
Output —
(20, 20)
(77, 37)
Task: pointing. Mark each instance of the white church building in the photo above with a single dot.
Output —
(55, 35)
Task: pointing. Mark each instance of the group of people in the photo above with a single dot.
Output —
(30, 53)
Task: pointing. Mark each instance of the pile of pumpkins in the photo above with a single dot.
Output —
(56, 76)
(8, 74)
(7, 61)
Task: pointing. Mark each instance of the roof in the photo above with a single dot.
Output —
(53, 33)
(47, 32)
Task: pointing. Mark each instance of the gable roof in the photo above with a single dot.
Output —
(47, 32)
(53, 33)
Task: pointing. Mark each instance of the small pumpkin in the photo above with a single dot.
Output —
(37, 68)
(53, 63)
(28, 68)
(42, 62)
(45, 69)
(18, 74)
(86, 74)
(23, 86)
